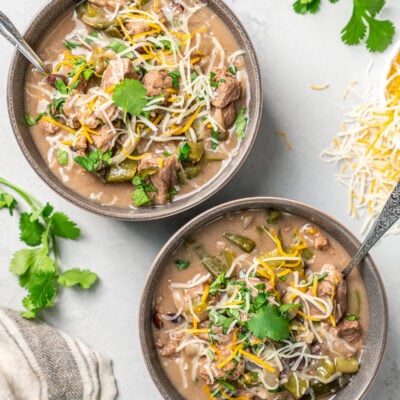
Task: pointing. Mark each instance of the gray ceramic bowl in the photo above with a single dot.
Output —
(376, 337)
(38, 28)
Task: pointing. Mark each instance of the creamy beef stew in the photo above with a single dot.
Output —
(147, 100)
(254, 306)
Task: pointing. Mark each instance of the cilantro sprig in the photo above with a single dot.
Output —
(363, 23)
(37, 266)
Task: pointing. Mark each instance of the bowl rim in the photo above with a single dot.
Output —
(362, 381)
(210, 188)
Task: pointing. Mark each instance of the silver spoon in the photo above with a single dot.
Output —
(389, 215)
(10, 32)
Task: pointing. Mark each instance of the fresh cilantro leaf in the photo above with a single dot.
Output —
(26, 262)
(31, 121)
(182, 264)
(219, 319)
(62, 157)
(87, 74)
(380, 35)
(305, 6)
(130, 95)
(30, 231)
(193, 76)
(119, 47)
(214, 138)
(63, 227)
(184, 151)
(37, 267)
(71, 45)
(355, 30)
(241, 123)
(218, 283)
(7, 201)
(352, 317)
(269, 323)
(213, 83)
(259, 302)
(92, 161)
(284, 308)
(61, 86)
(140, 197)
(84, 278)
(232, 69)
(175, 75)
(42, 289)
(57, 104)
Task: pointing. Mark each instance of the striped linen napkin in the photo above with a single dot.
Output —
(38, 362)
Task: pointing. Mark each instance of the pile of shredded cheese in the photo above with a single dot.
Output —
(368, 152)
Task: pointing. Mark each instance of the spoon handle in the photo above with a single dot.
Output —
(11, 33)
(389, 215)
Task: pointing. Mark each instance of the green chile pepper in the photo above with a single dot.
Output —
(240, 241)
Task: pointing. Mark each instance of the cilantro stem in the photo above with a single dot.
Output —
(35, 204)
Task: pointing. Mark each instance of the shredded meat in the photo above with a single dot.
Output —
(157, 83)
(228, 90)
(165, 177)
(111, 5)
(321, 242)
(117, 70)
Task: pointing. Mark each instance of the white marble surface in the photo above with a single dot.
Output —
(294, 52)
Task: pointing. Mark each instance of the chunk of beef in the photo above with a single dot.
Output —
(231, 371)
(81, 145)
(118, 69)
(157, 83)
(103, 141)
(350, 331)
(228, 90)
(321, 242)
(111, 5)
(165, 177)
(224, 116)
(48, 128)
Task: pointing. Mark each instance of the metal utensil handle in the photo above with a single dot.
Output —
(11, 33)
(389, 215)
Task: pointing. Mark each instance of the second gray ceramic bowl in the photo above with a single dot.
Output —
(375, 342)
(40, 26)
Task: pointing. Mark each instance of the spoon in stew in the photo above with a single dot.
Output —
(10, 32)
(389, 215)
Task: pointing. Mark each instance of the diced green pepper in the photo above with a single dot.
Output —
(189, 172)
(297, 391)
(347, 365)
(273, 215)
(94, 16)
(326, 369)
(211, 263)
(123, 172)
(240, 241)
(229, 256)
